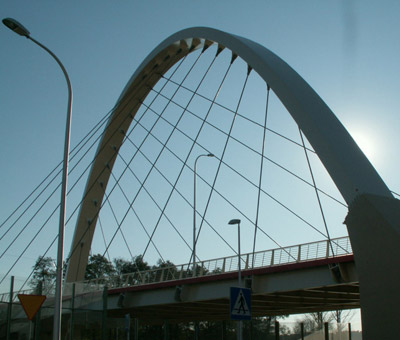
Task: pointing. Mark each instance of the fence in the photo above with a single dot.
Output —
(267, 258)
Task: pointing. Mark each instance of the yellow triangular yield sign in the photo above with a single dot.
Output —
(31, 304)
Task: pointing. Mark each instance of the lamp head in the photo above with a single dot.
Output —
(15, 26)
(210, 155)
(234, 221)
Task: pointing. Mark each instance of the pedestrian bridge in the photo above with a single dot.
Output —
(273, 258)
(297, 279)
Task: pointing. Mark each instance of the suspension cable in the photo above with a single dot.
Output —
(164, 145)
(241, 116)
(245, 178)
(395, 193)
(224, 149)
(24, 228)
(253, 150)
(316, 192)
(49, 183)
(148, 174)
(101, 123)
(104, 238)
(43, 204)
(158, 206)
(261, 175)
(116, 130)
(37, 263)
(121, 231)
(29, 244)
(26, 225)
(73, 153)
(180, 193)
(133, 210)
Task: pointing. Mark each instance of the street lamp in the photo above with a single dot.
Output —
(194, 209)
(233, 222)
(18, 28)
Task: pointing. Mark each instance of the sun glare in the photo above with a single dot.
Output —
(367, 143)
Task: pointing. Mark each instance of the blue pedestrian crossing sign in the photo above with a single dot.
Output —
(240, 303)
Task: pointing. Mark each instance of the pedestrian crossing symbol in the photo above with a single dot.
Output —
(240, 303)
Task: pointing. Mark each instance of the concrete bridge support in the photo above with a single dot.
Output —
(373, 223)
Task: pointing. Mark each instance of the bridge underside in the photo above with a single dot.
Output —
(318, 299)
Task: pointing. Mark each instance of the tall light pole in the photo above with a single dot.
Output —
(194, 209)
(232, 222)
(18, 28)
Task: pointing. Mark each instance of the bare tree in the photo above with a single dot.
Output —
(342, 317)
(314, 321)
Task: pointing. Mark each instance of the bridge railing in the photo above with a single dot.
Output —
(267, 258)
(48, 291)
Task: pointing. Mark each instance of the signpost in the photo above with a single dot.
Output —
(240, 303)
(128, 326)
(31, 305)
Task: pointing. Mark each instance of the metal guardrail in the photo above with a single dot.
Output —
(5, 297)
(267, 258)
(261, 259)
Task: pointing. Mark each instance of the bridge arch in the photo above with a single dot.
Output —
(351, 171)
(347, 165)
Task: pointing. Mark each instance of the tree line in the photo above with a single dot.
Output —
(45, 271)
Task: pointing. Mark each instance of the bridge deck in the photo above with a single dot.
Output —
(297, 279)
(319, 285)
(335, 296)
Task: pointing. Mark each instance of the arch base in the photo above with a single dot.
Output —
(373, 223)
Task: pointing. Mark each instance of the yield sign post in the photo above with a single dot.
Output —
(31, 304)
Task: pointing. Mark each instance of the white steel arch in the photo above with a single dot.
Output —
(347, 165)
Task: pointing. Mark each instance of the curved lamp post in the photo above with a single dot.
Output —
(194, 209)
(18, 28)
(233, 222)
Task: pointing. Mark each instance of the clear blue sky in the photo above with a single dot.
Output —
(348, 51)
